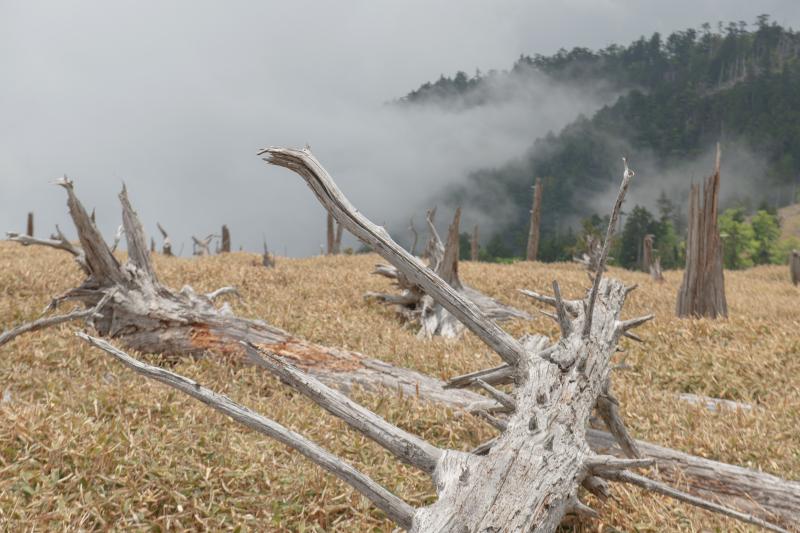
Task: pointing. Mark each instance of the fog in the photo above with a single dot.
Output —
(175, 99)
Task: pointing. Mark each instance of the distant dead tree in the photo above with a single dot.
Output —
(202, 247)
(473, 248)
(166, 246)
(267, 259)
(334, 236)
(591, 257)
(415, 306)
(536, 215)
(152, 245)
(702, 293)
(226, 240)
(29, 228)
(414, 235)
(794, 267)
(651, 262)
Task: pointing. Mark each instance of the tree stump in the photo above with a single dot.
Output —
(651, 262)
(794, 267)
(29, 228)
(702, 293)
(226, 240)
(474, 249)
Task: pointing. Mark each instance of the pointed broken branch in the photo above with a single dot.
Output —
(394, 507)
(306, 165)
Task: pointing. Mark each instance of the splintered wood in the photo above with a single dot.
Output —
(702, 293)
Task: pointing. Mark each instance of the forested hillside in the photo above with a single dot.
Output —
(738, 84)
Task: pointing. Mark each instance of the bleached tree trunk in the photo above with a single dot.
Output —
(536, 215)
(794, 267)
(166, 246)
(473, 252)
(29, 228)
(226, 240)
(414, 305)
(702, 293)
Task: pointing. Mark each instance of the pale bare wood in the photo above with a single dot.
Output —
(394, 507)
(306, 165)
(652, 263)
(666, 490)
(166, 246)
(405, 446)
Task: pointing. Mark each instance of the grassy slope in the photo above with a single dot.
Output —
(85, 444)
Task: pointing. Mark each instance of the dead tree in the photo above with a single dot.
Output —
(226, 240)
(267, 259)
(474, 249)
(202, 247)
(415, 237)
(334, 235)
(651, 262)
(530, 475)
(702, 293)
(415, 306)
(794, 267)
(127, 303)
(166, 246)
(591, 257)
(536, 215)
(29, 228)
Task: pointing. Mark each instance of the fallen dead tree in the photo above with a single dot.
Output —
(415, 306)
(590, 258)
(127, 303)
(529, 478)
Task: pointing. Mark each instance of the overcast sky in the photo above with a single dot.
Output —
(175, 98)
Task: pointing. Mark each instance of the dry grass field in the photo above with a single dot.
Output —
(88, 445)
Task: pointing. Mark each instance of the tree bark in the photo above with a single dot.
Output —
(702, 293)
(651, 263)
(226, 240)
(536, 214)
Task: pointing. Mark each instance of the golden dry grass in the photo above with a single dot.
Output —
(87, 445)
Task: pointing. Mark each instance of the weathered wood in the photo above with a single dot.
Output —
(702, 292)
(473, 245)
(166, 245)
(536, 216)
(202, 247)
(651, 263)
(414, 237)
(267, 259)
(29, 227)
(414, 305)
(394, 507)
(794, 267)
(226, 240)
(535, 448)
(529, 479)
